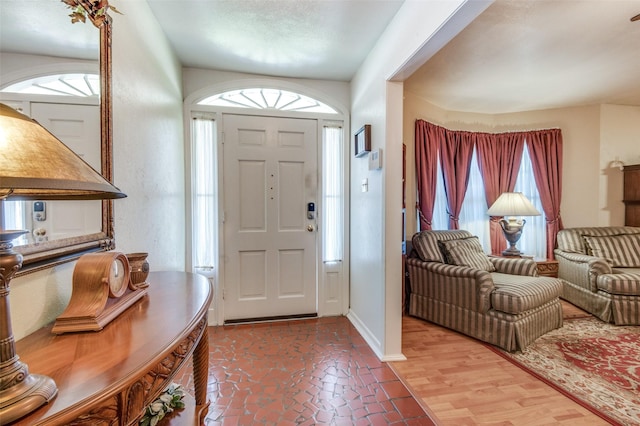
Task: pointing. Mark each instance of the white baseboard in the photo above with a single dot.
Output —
(392, 358)
(371, 340)
(211, 319)
(366, 334)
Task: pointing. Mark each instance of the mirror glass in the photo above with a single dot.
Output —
(37, 41)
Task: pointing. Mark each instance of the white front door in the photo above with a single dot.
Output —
(270, 176)
(78, 126)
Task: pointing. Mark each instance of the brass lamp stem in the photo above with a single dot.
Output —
(20, 392)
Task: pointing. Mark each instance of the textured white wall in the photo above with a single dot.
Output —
(376, 216)
(148, 140)
(201, 82)
(148, 165)
(16, 66)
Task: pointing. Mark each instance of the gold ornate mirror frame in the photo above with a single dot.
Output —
(52, 253)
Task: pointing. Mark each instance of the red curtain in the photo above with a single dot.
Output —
(427, 138)
(456, 151)
(545, 150)
(499, 157)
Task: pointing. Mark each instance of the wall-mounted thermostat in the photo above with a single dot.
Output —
(375, 159)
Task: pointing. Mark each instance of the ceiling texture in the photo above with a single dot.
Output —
(319, 39)
(518, 55)
(43, 27)
(527, 55)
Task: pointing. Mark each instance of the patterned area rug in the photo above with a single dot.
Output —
(592, 362)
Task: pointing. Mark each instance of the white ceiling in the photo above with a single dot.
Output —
(43, 27)
(539, 54)
(517, 55)
(319, 39)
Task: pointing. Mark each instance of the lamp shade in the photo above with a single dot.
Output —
(512, 204)
(34, 164)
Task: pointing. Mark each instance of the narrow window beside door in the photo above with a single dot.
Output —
(205, 197)
(332, 194)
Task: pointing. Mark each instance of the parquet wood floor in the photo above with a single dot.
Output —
(461, 382)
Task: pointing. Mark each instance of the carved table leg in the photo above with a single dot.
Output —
(201, 375)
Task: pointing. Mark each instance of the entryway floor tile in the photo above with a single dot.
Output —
(304, 372)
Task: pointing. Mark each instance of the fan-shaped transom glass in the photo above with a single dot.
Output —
(277, 99)
(82, 85)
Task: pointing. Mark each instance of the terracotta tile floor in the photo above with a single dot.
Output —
(305, 372)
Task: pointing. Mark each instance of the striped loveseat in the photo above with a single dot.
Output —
(501, 301)
(600, 268)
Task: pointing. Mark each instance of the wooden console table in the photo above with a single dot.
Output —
(108, 377)
(547, 267)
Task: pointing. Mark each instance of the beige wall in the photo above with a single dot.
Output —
(593, 136)
(148, 166)
(376, 283)
(619, 138)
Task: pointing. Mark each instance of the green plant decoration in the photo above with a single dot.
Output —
(96, 10)
(169, 400)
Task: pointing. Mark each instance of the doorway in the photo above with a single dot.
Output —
(270, 174)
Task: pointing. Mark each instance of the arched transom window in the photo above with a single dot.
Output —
(262, 98)
(83, 85)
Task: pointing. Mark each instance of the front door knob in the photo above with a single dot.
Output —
(310, 228)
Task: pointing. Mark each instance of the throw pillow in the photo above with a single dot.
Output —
(466, 252)
(425, 244)
(619, 250)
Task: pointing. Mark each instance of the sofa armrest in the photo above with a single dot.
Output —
(455, 285)
(581, 269)
(515, 266)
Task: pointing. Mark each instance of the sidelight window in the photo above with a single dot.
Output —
(332, 193)
(204, 194)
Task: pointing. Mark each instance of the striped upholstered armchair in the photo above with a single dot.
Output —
(501, 301)
(600, 269)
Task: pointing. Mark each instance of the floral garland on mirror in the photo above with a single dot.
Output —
(168, 400)
(95, 9)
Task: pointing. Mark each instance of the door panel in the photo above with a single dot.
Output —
(253, 267)
(291, 212)
(252, 208)
(291, 271)
(78, 126)
(270, 174)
